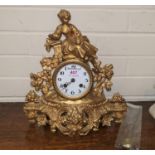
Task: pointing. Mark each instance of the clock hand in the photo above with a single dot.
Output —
(68, 83)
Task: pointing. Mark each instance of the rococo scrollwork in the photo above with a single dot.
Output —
(45, 106)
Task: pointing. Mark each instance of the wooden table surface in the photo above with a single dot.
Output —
(17, 133)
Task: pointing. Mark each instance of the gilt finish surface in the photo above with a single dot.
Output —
(46, 106)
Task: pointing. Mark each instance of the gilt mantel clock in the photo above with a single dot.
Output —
(68, 93)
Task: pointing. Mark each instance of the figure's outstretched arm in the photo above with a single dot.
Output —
(57, 33)
(53, 38)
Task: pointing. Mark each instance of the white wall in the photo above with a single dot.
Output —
(125, 36)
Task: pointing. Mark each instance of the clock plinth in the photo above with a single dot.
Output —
(89, 99)
(68, 93)
(76, 117)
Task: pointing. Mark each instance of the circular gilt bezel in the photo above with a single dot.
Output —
(78, 62)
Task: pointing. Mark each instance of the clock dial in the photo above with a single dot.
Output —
(73, 80)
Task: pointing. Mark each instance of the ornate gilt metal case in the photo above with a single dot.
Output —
(68, 93)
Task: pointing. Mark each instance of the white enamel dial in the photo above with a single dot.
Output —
(73, 80)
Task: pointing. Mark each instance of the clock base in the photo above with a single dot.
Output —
(72, 118)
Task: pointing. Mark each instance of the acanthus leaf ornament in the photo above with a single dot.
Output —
(85, 106)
